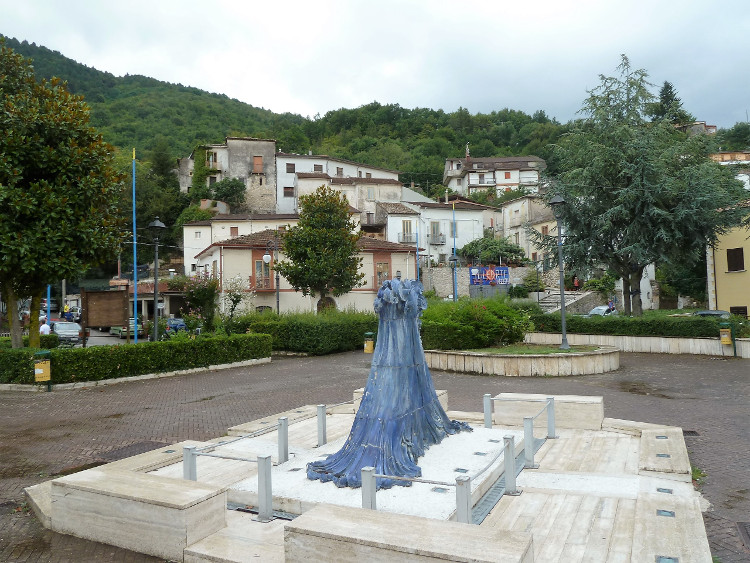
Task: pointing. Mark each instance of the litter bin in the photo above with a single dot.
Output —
(726, 336)
(42, 371)
(369, 342)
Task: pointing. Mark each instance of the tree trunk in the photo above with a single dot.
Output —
(34, 308)
(626, 294)
(635, 283)
(11, 305)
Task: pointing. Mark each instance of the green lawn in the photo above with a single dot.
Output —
(532, 349)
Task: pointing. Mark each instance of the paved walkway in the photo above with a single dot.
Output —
(47, 434)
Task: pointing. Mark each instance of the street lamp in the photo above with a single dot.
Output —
(156, 228)
(273, 244)
(454, 264)
(557, 202)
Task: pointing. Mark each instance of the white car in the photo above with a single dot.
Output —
(601, 311)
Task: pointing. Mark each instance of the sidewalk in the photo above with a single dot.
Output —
(48, 434)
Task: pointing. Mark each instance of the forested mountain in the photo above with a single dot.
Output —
(133, 111)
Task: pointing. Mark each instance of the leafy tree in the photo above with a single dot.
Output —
(188, 215)
(321, 249)
(59, 192)
(637, 192)
(683, 278)
(736, 138)
(231, 191)
(668, 107)
(201, 295)
(490, 250)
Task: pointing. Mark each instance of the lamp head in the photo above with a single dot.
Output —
(156, 227)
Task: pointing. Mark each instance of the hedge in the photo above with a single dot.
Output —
(313, 334)
(98, 363)
(687, 327)
(46, 341)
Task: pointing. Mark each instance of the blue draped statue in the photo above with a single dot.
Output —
(400, 415)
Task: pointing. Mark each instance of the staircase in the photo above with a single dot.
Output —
(549, 300)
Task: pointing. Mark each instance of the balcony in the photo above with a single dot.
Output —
(435, 239)
(263, 282)
(212, 165)
(408, 238)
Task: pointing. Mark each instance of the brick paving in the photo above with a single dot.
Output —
(48, 434)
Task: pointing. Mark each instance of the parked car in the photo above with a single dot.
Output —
(77, 314)
(175, 325)
(715, 314)
(122, 330)
(70, 334)
(52, 304)
(601, 311)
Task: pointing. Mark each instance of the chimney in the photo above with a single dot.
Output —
(446, 196)
(412, 184)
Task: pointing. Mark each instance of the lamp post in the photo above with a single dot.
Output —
(156, 227)
(454, 264)
(557, 202)
(273, 245)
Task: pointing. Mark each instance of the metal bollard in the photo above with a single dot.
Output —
(283, 439)
(487, 410)
(189, 463)
(369, 488)
(551, 418)
(463, 499)
(509, 459)
(265, 494)
(528, 442)
(322, 425)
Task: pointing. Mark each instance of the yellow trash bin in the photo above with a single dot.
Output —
(369, 342)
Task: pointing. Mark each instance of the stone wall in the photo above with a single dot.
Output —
(440, 279)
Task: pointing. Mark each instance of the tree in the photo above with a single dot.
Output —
(231, 191)
(490, 250)
(637, 192)
(669, 107)
(59, 192)
(736, 138)
(321, 249)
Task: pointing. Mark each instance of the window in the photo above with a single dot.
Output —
(739, 311)
(262, 275)
(545, 230)
(371, 193)
(481, 178)
(434, 229)
(288, 191)
(454, 229)
(290, 167)
(257, 165)
(214, 268)
(507, 175)
(359, 174)
(193, 267)
(339, 171)
(318, 167)
(382, 269)
(234, 232)
(368, 175)
(516, 238)
(197, 234)
(735, 259)
(406, 226)
(211, 180)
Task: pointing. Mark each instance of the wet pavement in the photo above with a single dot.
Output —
(43, 435)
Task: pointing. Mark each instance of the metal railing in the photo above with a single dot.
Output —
(409, 238)
(436, 239)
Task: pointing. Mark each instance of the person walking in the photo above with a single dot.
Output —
(576, 283)
(44, 328)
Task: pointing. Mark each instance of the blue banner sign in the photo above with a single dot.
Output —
(497, 275)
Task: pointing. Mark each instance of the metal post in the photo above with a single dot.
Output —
(155, 329)
(322, 425)
(551, 418)
(528, 443)
(463, 499)
(283, 439)
(265, 495)
(564, 344)
(487, 410)
(509, 459)
(369, 488)
(189, 465)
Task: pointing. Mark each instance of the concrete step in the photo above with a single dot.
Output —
(40, 500)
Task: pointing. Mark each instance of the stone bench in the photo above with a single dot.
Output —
(160, 516)
(345, 534)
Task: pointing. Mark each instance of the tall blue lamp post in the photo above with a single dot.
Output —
(156, 228)
(557, 202)
(273, 245)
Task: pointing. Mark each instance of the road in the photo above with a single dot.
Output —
(43, 435)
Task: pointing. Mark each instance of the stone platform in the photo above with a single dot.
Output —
(605, 490)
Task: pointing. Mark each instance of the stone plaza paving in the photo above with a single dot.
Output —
(43, 435)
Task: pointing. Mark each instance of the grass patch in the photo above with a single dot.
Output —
(698, 475)
(516, 349)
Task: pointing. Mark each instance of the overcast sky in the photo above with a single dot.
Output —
(314, 56)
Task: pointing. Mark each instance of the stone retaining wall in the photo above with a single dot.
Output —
(650, 344)
(579, 363)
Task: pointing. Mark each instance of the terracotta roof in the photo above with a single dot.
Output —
(333, 159)
(448, 206)
(322, 175)
(245, 217)
(397, 209)
(501, 163)
(370, 243)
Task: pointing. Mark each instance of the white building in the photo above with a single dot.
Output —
(468, 175)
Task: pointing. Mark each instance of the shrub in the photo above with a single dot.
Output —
(108, 362)
(519, 291)
(604, 286)
(46, 341)
(473, 323)
(688, 327)
(533, 281)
